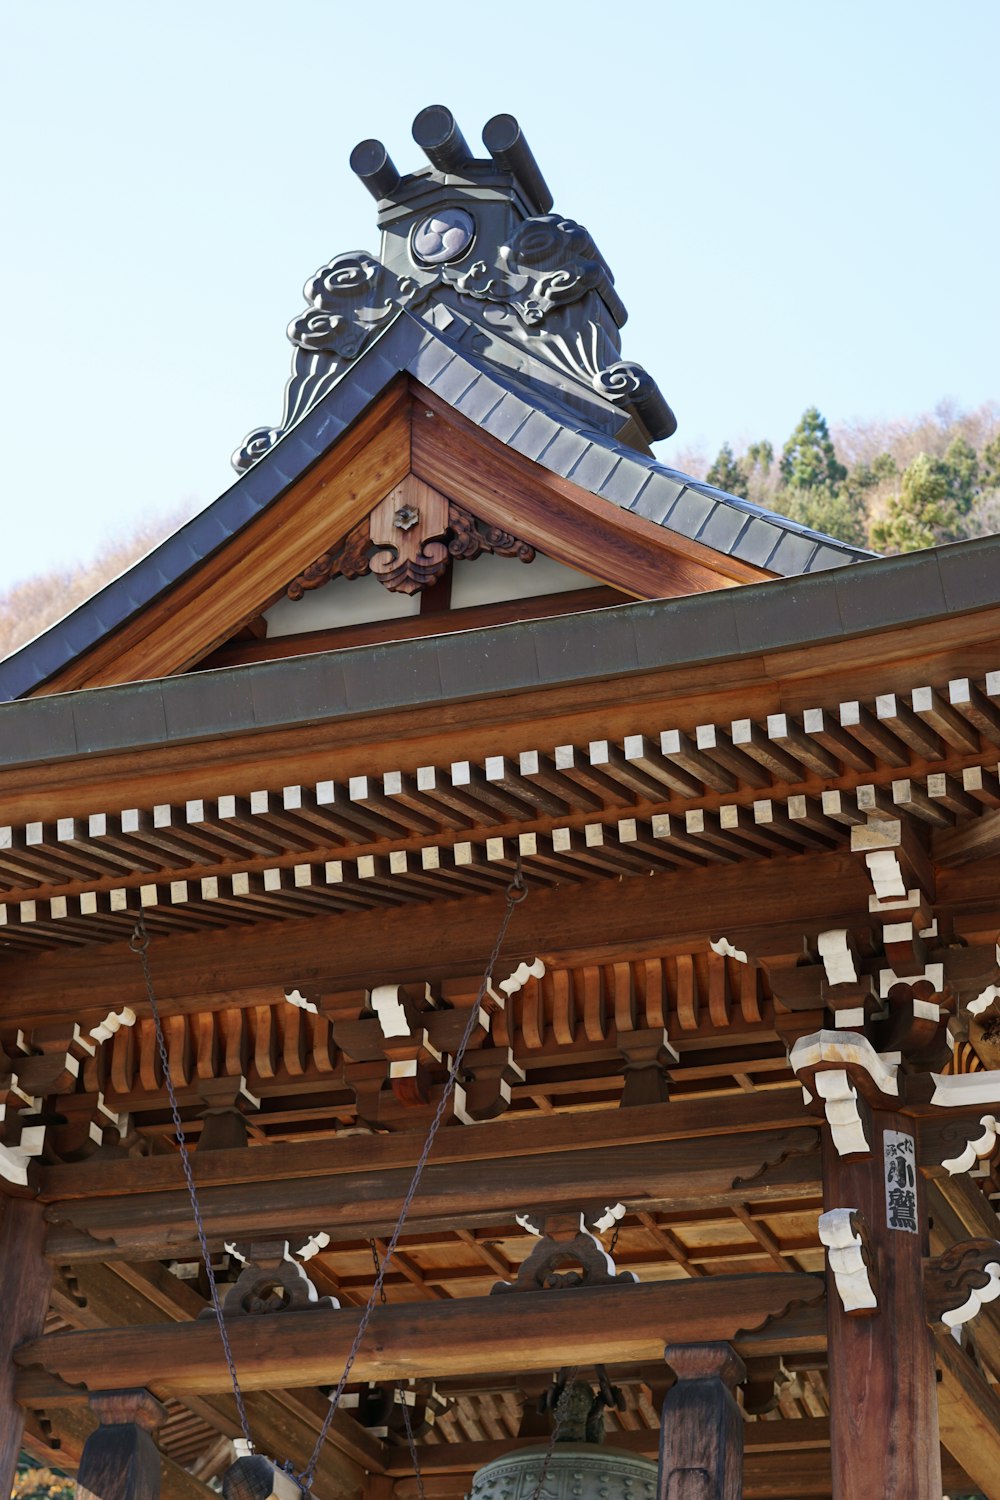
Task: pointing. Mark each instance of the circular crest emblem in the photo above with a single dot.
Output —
(443, 236)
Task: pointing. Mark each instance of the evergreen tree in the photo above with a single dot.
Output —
(990, 464)
(922, 512)
(760, 457)
(962, 463)
(809, 460)
(727, 473)
(839, 515)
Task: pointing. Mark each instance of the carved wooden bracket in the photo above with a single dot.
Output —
(957, 1283)
(648, 1056)
(852, 1257)
(957, 1145)
(270, 1282)
(120, 1460)
(842, 1074)
(408, 542)
(565, 1240)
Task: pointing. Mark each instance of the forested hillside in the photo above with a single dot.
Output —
(891, 486)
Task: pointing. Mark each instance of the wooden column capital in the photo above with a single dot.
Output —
(135, 1405)
(706, 1361)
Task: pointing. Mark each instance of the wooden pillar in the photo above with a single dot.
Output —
(701, 1431)
(25, 1279)
(883, 1397)
(120, 1460)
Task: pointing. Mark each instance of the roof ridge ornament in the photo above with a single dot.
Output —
(470, 247)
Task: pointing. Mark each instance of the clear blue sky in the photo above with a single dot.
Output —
(798, 200)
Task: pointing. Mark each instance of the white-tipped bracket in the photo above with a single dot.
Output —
(313, 1245)
(724, 948)
(983, 1145)
(113, 1021)
(296, 997)
(609, 1218)
(838, 960)
(520, 977)
(983, 1001)
(842, 1049)
(850, 1260)
(976, 1298)
(967, 1090)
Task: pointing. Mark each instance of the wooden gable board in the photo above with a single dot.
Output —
(406, 431)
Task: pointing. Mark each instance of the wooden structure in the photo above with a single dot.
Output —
(726, 1124)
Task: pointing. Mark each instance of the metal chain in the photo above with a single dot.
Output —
(558, 1422)
(139, 944)
(374, 1249)
(515, 894)
(614, 1238)
(414, 1458)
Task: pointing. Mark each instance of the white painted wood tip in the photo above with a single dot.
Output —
(296, 997)
(113, 1021)
(724, 948)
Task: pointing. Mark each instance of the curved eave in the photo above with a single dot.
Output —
(621, 643)
(529, 420)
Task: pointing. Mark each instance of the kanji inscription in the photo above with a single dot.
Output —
(900, 1181)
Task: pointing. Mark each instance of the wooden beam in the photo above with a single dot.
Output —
(563, 520)
(977, 839)
(969, 1416)
(284, 1423)
(210, 968)
(69, 1428)
(678, 1174)
(523, 1333)
(557, 1135)
(25, 1277)
(883, 1411)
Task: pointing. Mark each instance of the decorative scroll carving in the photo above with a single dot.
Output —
(958, 1282)
(470, 538)
(566, 1241)
(847, 1235)
(407, 542)
(270, 1282)
(548, 290)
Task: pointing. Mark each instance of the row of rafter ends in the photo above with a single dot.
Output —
(368, 810)
(696, 838)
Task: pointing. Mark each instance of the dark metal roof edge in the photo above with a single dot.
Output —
(556, 438)
(618, 642)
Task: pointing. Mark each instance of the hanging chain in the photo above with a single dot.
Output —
(515, 894)
(614, 1238)
(139, 944)
(414, 1457)
(374, 1249)
(559, 1414)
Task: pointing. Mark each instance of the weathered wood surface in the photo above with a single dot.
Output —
(701, 1427)
(192, 971)
(25, 1277)
(883, 1402)
(529, 1332)
(969, 1415)
(120, 1459)
(283, 1422)
(679, 1174)
(556, 1137)
(70, 1427)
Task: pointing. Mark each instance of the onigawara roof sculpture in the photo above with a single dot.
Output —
(508, 313)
